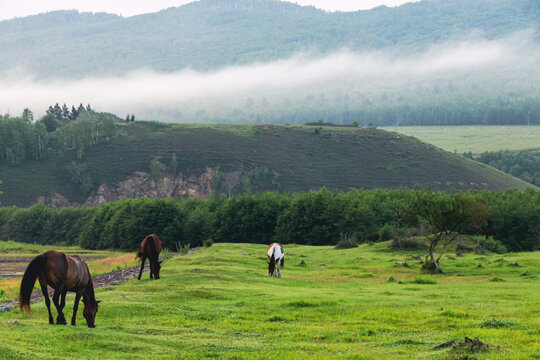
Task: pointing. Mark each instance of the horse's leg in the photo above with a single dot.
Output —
(60, 319)
(45, 292)
(63, 304)
(278, 269)
(151, 268)
(142, 267)
(75, 307)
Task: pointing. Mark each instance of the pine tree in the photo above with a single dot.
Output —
(81, 108)
(28, 116)
(65, 112)
(74, 113)
(57, 111)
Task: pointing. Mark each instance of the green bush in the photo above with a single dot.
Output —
(407, 243)
(347, 241)
(387, 232)
(208, 243)
(493, 245)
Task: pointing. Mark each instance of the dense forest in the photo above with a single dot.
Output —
(510, 219)
(210, 34)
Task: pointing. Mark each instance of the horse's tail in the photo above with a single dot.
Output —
(282, 261)
(28, 281)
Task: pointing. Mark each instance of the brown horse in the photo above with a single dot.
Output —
(63, 273)
(150, 249)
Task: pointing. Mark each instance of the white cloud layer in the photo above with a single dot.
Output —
(143, 91)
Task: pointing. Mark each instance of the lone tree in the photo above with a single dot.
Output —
(28, 116)
(448, 216)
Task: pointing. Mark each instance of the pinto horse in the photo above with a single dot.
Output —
(276, 256)
(150, 249)
(63, 273)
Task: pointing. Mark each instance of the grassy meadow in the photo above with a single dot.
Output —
(219, 303)
(476, 139)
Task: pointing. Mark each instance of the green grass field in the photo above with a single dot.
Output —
(219, 303)
(476, 139)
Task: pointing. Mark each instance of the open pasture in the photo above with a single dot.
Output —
(219, 303)
(476, 139)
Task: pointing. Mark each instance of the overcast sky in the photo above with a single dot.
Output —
(20, 8)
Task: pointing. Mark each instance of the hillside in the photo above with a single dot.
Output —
(209, 34)
(239, 159)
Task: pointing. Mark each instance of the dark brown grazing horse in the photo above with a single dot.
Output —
(150, 249)
(63, 273)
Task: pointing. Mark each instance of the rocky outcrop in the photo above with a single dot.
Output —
(56, 201)
(141, 184)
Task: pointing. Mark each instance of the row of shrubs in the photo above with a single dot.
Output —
(313, 218)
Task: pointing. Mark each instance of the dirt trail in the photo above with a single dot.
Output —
(107, 279)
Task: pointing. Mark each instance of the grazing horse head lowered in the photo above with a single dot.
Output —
(277, 257)
(63, 273)
(150, 249)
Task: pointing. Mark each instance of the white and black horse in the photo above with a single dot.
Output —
(276, 256)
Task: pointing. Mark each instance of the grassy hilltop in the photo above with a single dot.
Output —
(302, 158)
(219, 303)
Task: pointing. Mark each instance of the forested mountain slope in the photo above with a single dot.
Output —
(214, 33)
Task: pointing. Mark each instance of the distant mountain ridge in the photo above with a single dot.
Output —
(209, 34)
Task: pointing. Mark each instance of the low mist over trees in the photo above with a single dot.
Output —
(407, 65)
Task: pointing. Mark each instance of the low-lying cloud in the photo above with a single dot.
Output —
(151, 94)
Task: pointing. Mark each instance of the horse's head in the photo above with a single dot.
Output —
(271, 267)
(90, 311)
(157, 267)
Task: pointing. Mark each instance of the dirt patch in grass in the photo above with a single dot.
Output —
(467, 346)
(15, 265)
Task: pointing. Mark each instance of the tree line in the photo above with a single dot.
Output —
(23, 139)
(511, 218)
(522, 164)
